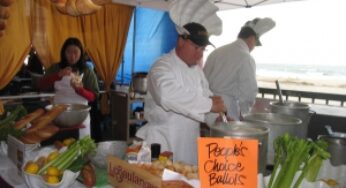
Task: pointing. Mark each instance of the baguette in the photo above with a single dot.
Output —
(31, 138)
(20, 124)
(47, 131)
(47, 118)
(84, 7)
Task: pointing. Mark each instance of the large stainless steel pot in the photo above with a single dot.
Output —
(278, 125)
(297, 109)
(337, 149)
(245, 130)
(139, 82)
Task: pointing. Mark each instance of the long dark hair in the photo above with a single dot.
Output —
(81, 64)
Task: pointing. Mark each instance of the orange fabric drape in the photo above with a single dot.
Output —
(105, 36)
(109, 27)
(13, 49)
(15, 43)
(50, 29)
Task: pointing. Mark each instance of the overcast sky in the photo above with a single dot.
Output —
(306, 32)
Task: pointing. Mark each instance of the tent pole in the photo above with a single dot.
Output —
(134, 43)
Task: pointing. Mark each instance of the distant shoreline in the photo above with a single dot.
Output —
(329, 79)
(303, 84)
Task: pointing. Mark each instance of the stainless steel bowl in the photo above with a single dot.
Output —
(104, 149)
(74, 115)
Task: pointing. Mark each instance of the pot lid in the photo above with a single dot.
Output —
(272, 118)
(293, 105)
(237, 128)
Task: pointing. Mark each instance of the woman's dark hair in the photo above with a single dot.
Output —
(81, 64)
(34, 63)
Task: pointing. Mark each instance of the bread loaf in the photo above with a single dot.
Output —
(71, 8)
(28, 118)
(60, 5)
(47, 131)
(31, 138)
(86, 7)
(47, 118)
(39, 135)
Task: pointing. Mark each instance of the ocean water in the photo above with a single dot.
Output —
(301, 70)
(316, 78)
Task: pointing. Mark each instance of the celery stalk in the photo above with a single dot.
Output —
(65, 159)
(68, 161)
(292, 154)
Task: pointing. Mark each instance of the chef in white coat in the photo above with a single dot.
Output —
(178, 97)
(231, 70)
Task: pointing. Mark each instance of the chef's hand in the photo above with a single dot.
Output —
(219, 119)
(65, 72)
(218, 104)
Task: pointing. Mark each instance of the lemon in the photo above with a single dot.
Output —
(52, 179)
(52, 155)
(31, 168)
(68, 141)
(53, 171)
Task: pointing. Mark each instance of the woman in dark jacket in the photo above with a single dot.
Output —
(71, 79)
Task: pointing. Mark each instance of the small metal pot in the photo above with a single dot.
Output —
(139, 82)
(278, 124)
(245, 130)
(296, 109)
(336, 148)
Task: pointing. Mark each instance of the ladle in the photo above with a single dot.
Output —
(279, 91)
(223, 117)
(332, 133)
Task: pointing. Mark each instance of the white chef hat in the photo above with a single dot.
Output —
(260, 26)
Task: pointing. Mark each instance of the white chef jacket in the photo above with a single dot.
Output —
(231, 73)
(176, 102)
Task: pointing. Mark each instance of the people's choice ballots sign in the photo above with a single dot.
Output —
(226, 162)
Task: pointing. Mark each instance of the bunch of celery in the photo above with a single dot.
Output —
(293, 154)
(80, 148)
(7, 121)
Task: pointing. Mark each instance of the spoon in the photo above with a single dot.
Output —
(279, 91)
(223, 116)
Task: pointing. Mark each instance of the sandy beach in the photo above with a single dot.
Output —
(330, 85)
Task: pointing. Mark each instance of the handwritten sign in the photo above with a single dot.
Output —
(225, 162)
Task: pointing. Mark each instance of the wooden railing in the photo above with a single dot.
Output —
(304, 96)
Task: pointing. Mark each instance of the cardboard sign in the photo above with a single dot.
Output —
(225, 162)
(123, 174)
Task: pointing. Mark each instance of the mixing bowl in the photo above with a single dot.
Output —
(75, 114)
